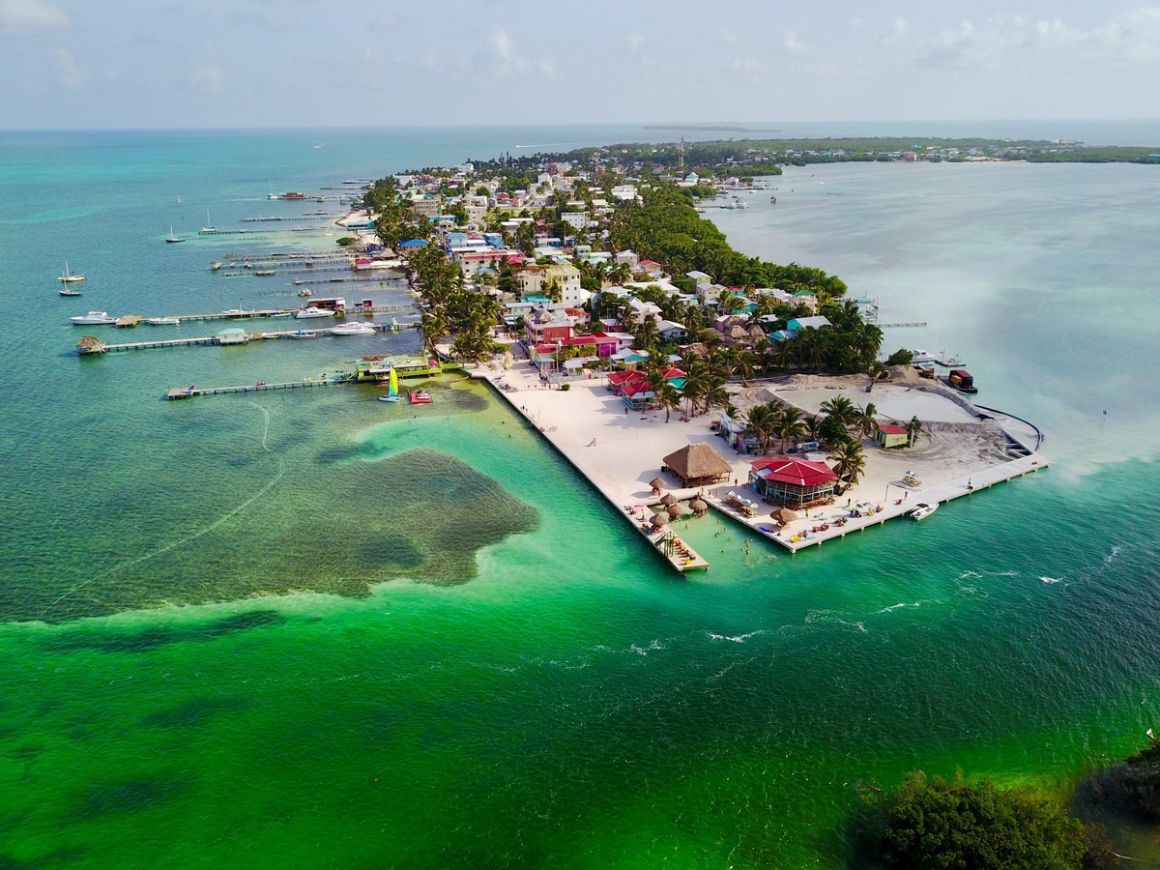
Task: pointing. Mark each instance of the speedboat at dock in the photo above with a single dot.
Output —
(311, 312)
(353, 327)
(923, 510)
(163, 321)
(93, 318)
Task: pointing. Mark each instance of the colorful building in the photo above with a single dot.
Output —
(792, 482)
(890, 435)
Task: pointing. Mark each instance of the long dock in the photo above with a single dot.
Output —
(679, 556)
(259, 313)
(86, 348)
(176, 393)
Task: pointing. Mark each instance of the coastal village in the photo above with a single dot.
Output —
(678, 376)
(677, 392)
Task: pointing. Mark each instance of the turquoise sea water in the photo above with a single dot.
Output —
(309, 629)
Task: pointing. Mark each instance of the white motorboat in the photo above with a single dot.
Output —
(310, 312)
(353, 327)
(923, 510)
(93, 318)
(302, 333)
(236, 312)
(163, 321)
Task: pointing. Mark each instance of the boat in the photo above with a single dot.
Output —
(420, 397)
(353, 327)
(392, 395)
(961, 380)
(302, 333)
(278, 315)
(236, 312)
(923, 510)
(173, 239)
(69, 291)
(264, 272)
(215, 265)
(311, 312)
(163, 321)
(93, 318)
(288, 195)
(68, 277)
(209, 227)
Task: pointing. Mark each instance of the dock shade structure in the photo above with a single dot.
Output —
(793, 482)
(784, 515)
(697, 465)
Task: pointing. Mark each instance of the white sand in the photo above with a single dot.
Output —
(620, 452)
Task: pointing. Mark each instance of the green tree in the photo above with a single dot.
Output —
(900, 357)
(762, 425)
(668, 397)
(913, 430)
(849, 462)
(936, 823)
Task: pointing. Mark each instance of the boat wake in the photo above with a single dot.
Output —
(830, 617)
(1051, 581)
(193, 535)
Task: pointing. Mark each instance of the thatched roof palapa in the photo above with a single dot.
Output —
(784, 515)
(696, 463)
(699, 507)
(661, 519)
(668, 499)
(676, 509)
(657, 483)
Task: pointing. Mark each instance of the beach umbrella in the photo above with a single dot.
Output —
(657, 483)
(660, 519)
(699, 507)
(678, 510)
(668, 499)
(784, 515)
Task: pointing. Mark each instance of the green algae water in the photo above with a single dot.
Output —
(306, 628)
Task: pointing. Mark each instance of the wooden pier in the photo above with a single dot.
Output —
(176, 393)
(89, 345)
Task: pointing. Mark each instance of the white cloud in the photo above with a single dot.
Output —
(32, 16)
(895, 33)
(67, 70)
(506, 61)
(1131, 37)
(750, 66)
(791, 43)
(635, 41)
(727, 36)
(208, 77)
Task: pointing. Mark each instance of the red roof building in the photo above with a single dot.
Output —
(792, 482)
(889, 435)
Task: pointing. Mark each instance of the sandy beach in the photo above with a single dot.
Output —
(621, 451)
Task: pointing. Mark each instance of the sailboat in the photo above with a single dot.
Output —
(209, 227)
(172, 238)
(392, 388)
(68, 277)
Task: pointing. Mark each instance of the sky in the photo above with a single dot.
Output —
(262, 63)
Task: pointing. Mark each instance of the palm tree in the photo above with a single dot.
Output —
(762, 421)
(696, 386)
(789, 425)
(849, 462)
(646, 333)
(913, 430)
(668, 398)
(866, 420)
(619, 273)
(434, 324)
(841, 408)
